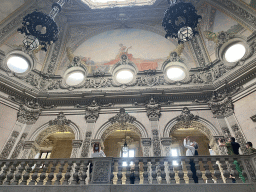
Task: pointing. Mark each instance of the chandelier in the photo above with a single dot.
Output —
(40, 28)
(180, 21)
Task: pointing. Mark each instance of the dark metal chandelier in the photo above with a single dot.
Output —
(180, 20)
(40, 28)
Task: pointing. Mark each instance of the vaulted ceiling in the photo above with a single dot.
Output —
(99, 36)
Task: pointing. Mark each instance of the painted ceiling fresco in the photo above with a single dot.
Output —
(8, 6)
(145, 49)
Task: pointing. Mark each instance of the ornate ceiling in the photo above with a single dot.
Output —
(99, 37)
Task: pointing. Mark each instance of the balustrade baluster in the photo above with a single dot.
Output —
(113, 169)
(181, 172)
(145, 171)
(154, 171)
(217, 172)
(35, 174)
(198, 170)
(18, 175)
(136, 171)
(4, 173)
(208, 174)
(59, 175)
(188, 167)
(68, 174)
(84, 166)
(26, 175)
(75, 175)
(163, 173)
(225, 171)
(128, 173)
(119, 172)
(171, 172)
(51, 174)
(10, 176)
(44, 167)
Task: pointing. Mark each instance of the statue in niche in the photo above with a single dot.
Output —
(76, 61)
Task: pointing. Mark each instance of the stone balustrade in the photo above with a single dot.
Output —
(122, 171)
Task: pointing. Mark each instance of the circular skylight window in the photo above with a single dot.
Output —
(75, 78)
(124, 76)
(235, 52)
(175, 73)
(17, 64)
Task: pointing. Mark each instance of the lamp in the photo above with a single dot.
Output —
(40, 28)
(180, 21)
(125, 147)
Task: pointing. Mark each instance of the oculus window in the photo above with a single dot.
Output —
(235, 52)
(124, 76)
(175, 73)
(18, 64)
(75, 78)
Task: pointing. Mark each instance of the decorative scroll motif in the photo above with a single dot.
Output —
(9, 145)
(186, 117)
(76, 144)
(101, 172)
(86, 148)
(92, 110)
(56, 50)
(219, 38)
(75, 61)
(198, 52)
(19, 146)
(122, 118)
(250, 169)
(86, 144)
(29, 112)
(149, 79)
(60, 122)
(239, 137)
(27, 152)
(156, 143)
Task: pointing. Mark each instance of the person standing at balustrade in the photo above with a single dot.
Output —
(233, 149)
(191, 149)
(249, 149)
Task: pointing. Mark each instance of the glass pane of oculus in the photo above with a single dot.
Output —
(75, 78)
(17, 64)
(175, 73)
(124, 76)
(235, 52)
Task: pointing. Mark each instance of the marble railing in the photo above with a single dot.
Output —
(141, 170)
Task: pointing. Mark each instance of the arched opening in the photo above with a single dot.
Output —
(54, 142)
(115, 136)
(113, 144)
(196, 131)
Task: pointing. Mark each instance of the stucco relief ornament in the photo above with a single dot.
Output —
(92, 110)
(60, 122)
(221, 104)
(153, 108)
(29, 112)
(186, 117)
(122, 118)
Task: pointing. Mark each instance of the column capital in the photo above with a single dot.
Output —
(146, 141)
(76, 143)
(166, 141)
(29, 112)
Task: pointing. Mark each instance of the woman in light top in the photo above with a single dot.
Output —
(97, 152)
